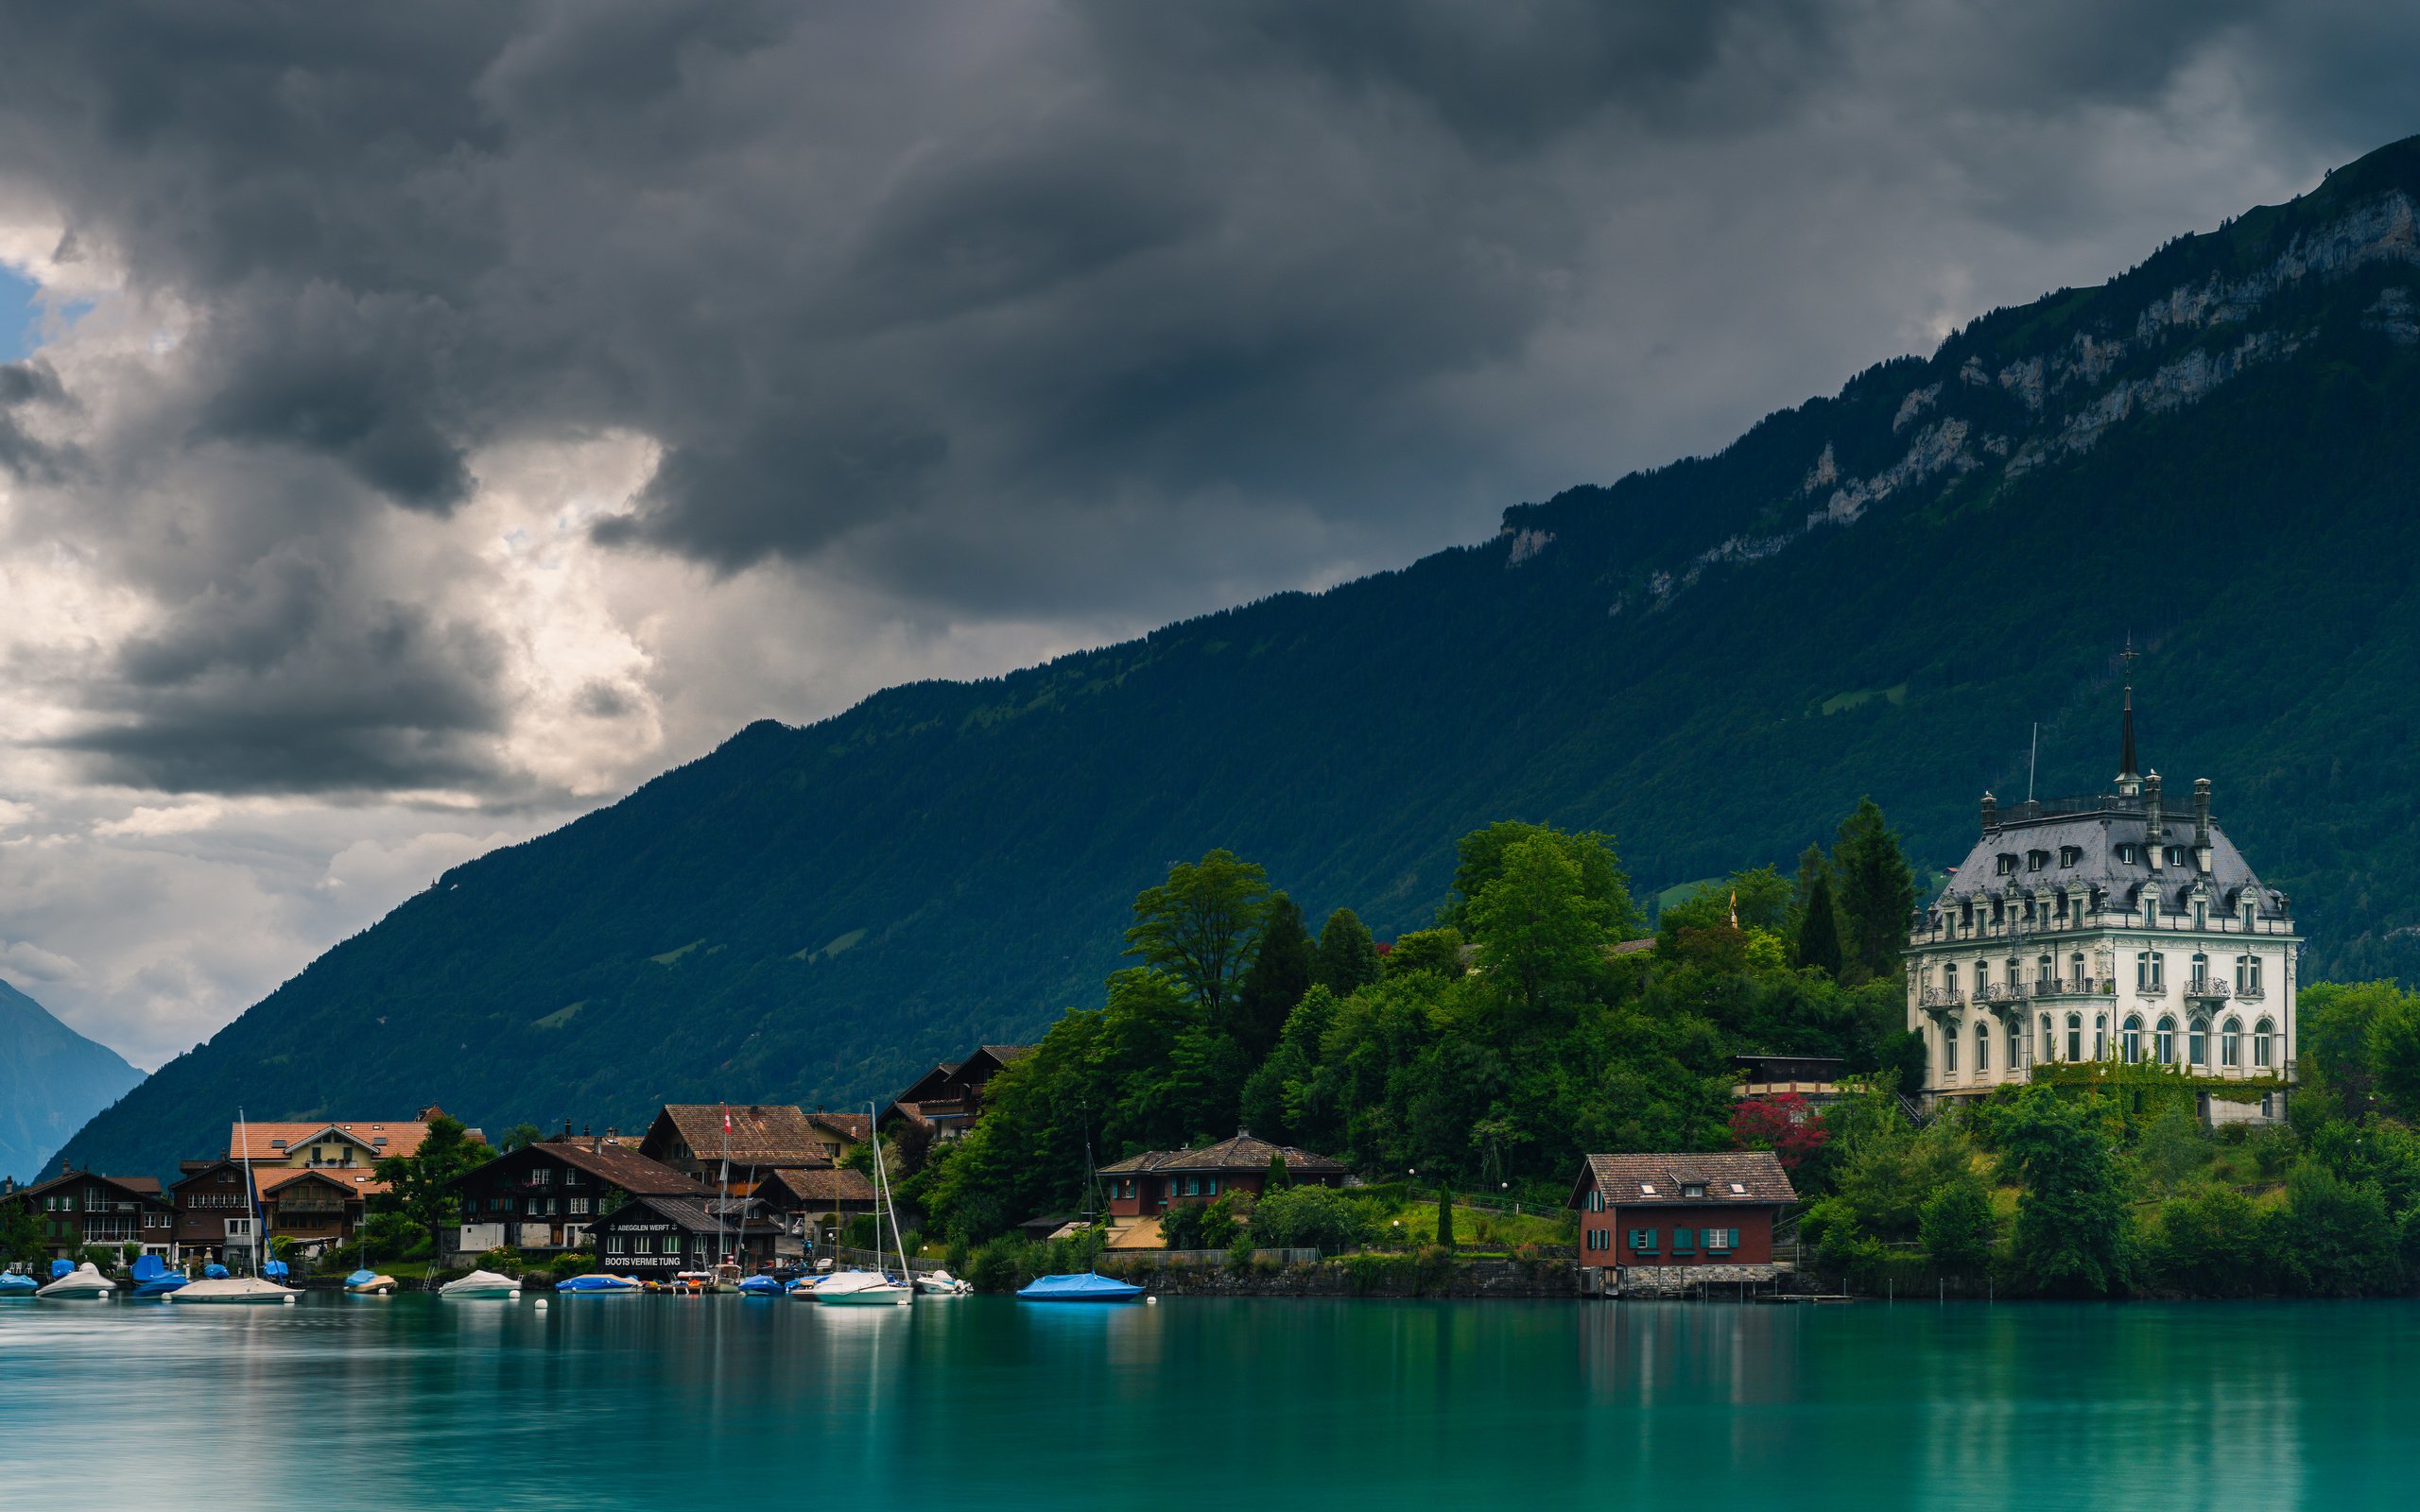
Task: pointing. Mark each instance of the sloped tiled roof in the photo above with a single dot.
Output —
(812, 1185)
(1241, 1153)
(357, 1179)
(851, 1126)
(273, 1142)
(760, 1134)
(697, 1214)
(619, 1165)
(1633, 1179)
(141, 1186)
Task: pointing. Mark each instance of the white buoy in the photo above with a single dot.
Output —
(542, 1304)
(1151, 1301)
(289, 1301)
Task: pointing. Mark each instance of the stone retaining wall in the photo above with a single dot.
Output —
(1368, 1276)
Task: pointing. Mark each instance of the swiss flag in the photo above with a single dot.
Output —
(726, 1118)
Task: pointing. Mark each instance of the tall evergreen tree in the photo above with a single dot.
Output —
(1877, 890)
(1347, 958)
(1445, 1215)
(1819, 931)
(1280, 1176)
(1280, 973)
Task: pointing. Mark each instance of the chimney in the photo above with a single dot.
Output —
(566, 1125)
(1991, 812)
(2200, 811)
(2153, 832)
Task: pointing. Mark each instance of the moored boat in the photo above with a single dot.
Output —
(17, 1283)
(941, 1284)
(1089, 1288)
(85, 1280)
(859, 1288)
(760, 1286)
(481, 1285)
(597, 1284)
(369, 1283)
(154, 1279)
(234, 1291)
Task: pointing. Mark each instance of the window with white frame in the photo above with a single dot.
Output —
(2231, 1042)
(2262, 1034)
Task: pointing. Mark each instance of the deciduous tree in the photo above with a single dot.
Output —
(1199, 926)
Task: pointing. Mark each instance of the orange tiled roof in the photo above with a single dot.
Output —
(275, 1142)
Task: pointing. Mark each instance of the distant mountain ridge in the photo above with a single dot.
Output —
(1878, 592)
(52, 1079)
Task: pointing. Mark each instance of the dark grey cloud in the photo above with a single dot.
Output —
(1095, 311)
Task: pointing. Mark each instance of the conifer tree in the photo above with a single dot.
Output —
(1347, 958)
(1280, 1176)
(1819, 932)
(1280, 973)
(1877, 890)
(1445, 1215)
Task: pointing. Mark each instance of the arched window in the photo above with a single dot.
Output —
(2231, 1042)
(1982, 1047)
(2260, 1037)
(2075, 1037)
(2166, 1041)
(2131, 1038)
(2100, 1037)
(2197, 1044)
(2016, 1043)
(2075, 972)
(1949, 1048)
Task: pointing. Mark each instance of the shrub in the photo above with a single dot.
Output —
(2208, 1244)
(1313, 1217)
(1959, 1226)
(1002, 1264)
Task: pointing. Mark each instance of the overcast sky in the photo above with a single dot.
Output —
(430, 420)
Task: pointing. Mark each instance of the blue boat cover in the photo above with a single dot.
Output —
(214, 1272)
(590, 1283)
(149, 1268)
(18, 1283)
(274, 1270)
(61, 1267)
(1086, 1288)
(161, 1285)
(761, 1286)
(360, 1275)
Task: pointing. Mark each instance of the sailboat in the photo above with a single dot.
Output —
(872, 1288)
(239, 1290)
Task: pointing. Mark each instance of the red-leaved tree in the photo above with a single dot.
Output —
(1787, 1125)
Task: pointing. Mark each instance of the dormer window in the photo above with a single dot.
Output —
(1693, 1189)
(2176, 855)
(277, 1144)
(2070, 855)
(2125, 855)
(2007, 863)
(2037, 860)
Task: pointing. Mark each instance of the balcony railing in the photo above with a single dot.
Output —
(2249, 994)
(2151, 989)
(1996, 992)
(2215, 989)
(1941, 997)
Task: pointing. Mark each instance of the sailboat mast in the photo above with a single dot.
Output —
(252, 1194)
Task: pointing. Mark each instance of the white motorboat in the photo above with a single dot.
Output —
(941, 1284)
(857, 1288)
(84, 1280)
(233, 1290)
(481, 1285)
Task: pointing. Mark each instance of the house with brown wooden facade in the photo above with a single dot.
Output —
(214, 1211)
(548, 1197)
(1643, 1216)
(654, 1238)
(949, 1098)
(1146, 1185)
(81, 1207)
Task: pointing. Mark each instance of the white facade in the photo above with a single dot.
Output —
(2105, 929)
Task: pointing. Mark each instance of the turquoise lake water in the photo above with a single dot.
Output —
(982, 1402)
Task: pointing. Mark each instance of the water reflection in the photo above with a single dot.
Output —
(665, 1402)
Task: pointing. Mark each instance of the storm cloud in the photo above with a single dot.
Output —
(475, 407)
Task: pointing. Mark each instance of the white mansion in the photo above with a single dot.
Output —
(2104, 927)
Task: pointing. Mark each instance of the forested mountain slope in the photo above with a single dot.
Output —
(1876, 593)
(51, 1080)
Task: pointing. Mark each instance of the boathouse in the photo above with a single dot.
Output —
(658, 1237)
(1655, 1213)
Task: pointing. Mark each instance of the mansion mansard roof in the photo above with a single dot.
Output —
(2100, 859)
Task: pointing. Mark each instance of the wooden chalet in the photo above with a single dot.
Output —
(657, 1237)
(213, 1213)
(1147, 1185)
(1680, 1209)
(950, 1098)
(81, 1207)
(548, 1196)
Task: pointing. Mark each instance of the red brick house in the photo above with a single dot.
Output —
(1145, 1185)
(1680, 1209)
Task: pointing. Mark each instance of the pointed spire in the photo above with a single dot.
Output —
(2128, 773)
